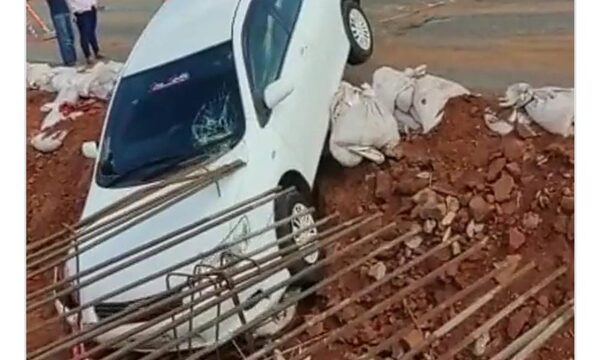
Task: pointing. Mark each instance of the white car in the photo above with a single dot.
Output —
(224, 80)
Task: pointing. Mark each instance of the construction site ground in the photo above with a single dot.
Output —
(519, 187)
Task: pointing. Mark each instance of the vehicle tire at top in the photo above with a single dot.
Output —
(291, 204)
(359, 32)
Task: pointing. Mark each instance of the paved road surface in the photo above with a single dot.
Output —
(484, 44)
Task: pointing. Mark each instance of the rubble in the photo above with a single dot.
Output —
(383, 186)
(480, 209)
(513, 149)
(495, 168)
(480, 346)
(377, 271)
(517, 322)
(503, 187)
(567, 203)
(531, 220)
(516, 239)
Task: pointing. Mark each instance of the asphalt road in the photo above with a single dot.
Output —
(484, 44)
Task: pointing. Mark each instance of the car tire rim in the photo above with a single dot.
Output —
(360, 29)
(299, 224)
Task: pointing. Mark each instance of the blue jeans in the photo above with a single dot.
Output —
(86, 23)
(65, 38)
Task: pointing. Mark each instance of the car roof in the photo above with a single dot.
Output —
(181, 28)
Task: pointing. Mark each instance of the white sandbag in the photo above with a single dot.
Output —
(416, 99)
(39, 77)
(552, 108)
(70, 83)
(68, 95)
(430, 97)
(360, 126)
(45, 142)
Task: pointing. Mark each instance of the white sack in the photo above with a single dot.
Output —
(360, 126)
(70, 83)
(552, 108)
(416, 99)
(46, 143)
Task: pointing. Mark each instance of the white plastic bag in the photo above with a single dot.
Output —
(48, 142)
(361, 126)
(552, 108)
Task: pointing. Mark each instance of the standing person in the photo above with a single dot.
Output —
(61, 19)
(86, 19)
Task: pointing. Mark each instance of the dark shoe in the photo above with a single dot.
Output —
(100, 57)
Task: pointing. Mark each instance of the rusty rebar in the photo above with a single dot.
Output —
(149, 305)
(276, 342)
(136, 196)
(466, 313)
(298, 255)
(162, 243)
(159, 273)
(378, 308)
(433, 313)
(108, 230)
(485, 327)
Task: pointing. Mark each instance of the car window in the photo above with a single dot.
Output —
(287, 11)
(267, 32)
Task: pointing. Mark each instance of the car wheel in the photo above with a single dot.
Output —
(359, 33)
(292, 204)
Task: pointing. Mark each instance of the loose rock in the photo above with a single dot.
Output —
(452, 203)
(495, 168)
(567, 203)
(561, 224)
(516, 239)
(414, 242)
(513, 149)
(514, 169)
(503, 187)
(480, 209)
(531, 220)
(383, 186)
(448, 219)
(517, 322)
(377, 271)
(481, 344)
(429, 226)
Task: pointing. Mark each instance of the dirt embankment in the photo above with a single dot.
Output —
(57, 184)
(521, 189)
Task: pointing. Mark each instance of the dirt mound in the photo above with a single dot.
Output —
(57, 184)
(516, 191)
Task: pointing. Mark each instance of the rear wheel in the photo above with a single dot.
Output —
(293, 204)
(359, 33)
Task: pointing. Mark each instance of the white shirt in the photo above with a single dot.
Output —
(78, 6)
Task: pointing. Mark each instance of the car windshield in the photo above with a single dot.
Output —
(167, 117)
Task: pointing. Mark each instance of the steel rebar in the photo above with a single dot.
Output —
(466, 313)
(162, 243)
(485, 327)
(132, 345)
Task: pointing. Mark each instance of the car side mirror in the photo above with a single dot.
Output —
(277, 91)
(90, 149)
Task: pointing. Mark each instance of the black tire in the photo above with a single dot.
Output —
(358, 54)
(284, 208)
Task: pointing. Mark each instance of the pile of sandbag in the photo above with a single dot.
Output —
(366, 122)
(71, 84)
(552, 108)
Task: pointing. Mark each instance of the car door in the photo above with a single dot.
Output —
(281, 45)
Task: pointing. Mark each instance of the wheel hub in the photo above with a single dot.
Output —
(360, 29)
(300, 223)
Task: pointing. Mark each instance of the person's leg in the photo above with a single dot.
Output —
(93, 38)
(64, 36)
(82, 25)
